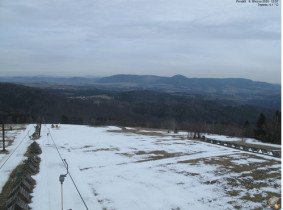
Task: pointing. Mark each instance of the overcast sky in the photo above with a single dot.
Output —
(219, 38)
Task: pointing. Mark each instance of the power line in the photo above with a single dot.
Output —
(66, 168)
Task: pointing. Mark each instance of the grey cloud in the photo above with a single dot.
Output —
(194, 38)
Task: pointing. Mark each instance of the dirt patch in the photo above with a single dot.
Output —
(82, 169)
(157, 155)
(102, 149)
(237, 175)
(126, 154)
(87, 146)
(4, 152)
(8, 142)
(148, 132)
(234, 193)
(10, 135)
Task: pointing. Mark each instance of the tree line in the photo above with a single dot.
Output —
(20, 104)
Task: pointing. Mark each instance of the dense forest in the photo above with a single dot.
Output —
(21, 104)
(237, 90)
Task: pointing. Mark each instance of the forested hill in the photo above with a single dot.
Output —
(196, 85)
(241, 91)
(130, 108)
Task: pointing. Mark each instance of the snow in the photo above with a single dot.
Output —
(132, 170)
(16, 152)
(245, 161)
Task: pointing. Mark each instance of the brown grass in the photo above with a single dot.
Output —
(254, 176)
(255, 145)
(102, 149)
(157, 155)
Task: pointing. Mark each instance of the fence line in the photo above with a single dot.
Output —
(262, 151)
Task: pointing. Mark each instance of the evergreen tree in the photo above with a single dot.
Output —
(64, 119)
(247, 124)
(248, 130)
(260, 127)
(273, 129)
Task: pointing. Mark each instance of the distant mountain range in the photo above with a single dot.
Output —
(242, 91)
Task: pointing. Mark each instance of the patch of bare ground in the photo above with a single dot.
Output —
(157, 155)
(82, 169)
(4, 152)
(16, 126)
(186, 173)
(10, 134)
(94, 192)
(245, 180)
(87, 146)
(105, 201)
(8, 142)
(11, 128)
(193, 162)
(102, 149)
(147, 132)
(126, 154)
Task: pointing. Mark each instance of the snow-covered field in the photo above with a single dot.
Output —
(129, 168)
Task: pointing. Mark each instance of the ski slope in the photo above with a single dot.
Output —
(130, 168)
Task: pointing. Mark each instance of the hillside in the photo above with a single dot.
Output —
(240, 91)
(136, 108)
(21, 104)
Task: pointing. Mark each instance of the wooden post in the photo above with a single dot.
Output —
(40, 126)
(3, 134)
(39, 129)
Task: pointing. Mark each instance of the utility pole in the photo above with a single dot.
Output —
(61, 179)
(3, 134)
